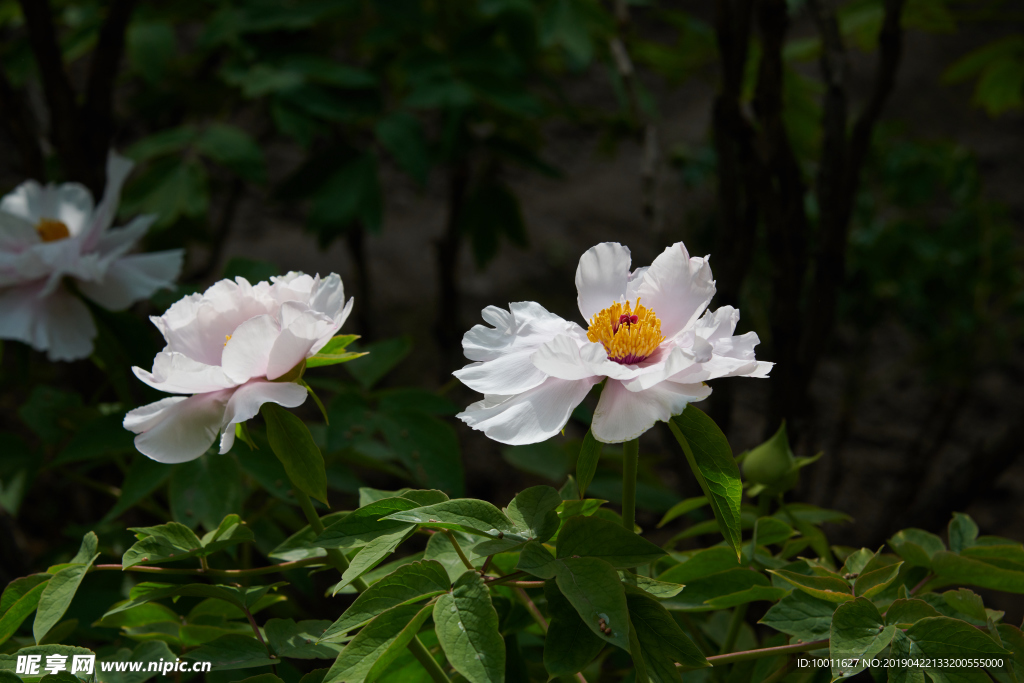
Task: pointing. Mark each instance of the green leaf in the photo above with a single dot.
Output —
(534, 512)
(366, 524)
(943, 637)
(662, 643)
(858, 631)
(233, 148)
(462, 513)
(60, 590)
(822, 587)
(752, 594)
(951, 568)
(146, 652)
(683, 507)
(8, 662)
(231, 531)
(916, 546)
(401, 134)
(206, 490)
(240, 597)
(294, 446)
(594, 589)
(150, 47)
(700, 564)
(698, 594)
(160, 543)
(144, 476)
(298, 640)
(440, 549)
(467, 629)
(874, 582)
(334, 352)
(907, 611)
(535, 559)
(802, 616)
(710, 457)
(967, 602)
(372, 554)
(168, 141)
(20, 599)
(586, 465)
(962, 532)
(384, 355)
(377, 644)
(594, 537)
(428, 447)
(569, 645)
(409, 583)
(232, 651)
(662, 590)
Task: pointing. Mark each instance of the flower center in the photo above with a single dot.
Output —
(629, 336)
(51, 230)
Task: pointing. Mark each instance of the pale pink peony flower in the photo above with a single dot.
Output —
(54, 245)
(233, 348)
(647, 336)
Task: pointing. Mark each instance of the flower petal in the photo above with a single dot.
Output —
(246, 400)
(718, 324)
(531, 416)
(16, 233)
(568, 358)
(178, 429)
(176, 373)
(670, 363)
(247, 352)
(487, 343)
(623, 415)
(678, 288)
(58, 322)
(601, 277)
(72, 206)
(301, 329)
(134, 278)
(118, 168)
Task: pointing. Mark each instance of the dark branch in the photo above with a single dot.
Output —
(17, 120)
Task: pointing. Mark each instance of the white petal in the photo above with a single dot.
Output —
(118, 168)
(73, 207)
(567, 358)
(246, 400)
(670, 363)
(636, 278)
(301, 329)
(134, 278)
(762, 370)
(601, 277)
(16, 233)
(718, 324)
(531, 416)
(508, 374)
(176, 373)
(741, 346)
(623, 415)
(178, 429)
(25, 201)
(246, 354)
(487, 343)
(678, 288)
(119, 241)
(58, 323)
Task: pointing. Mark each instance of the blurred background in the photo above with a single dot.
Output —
(853, 168)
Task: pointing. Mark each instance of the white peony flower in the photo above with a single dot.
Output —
(233, 348)
(52, 236)
(646, 336)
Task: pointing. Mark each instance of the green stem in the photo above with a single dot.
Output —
(748, 655)
(334, 556)
(458, 549)
(222, 573)
(340, 562)
(630, 462)
(739, 613)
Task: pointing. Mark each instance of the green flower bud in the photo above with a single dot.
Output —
(772, 463)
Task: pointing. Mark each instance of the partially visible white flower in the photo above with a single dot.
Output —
(226, 347)
(534, 368)
(51, 235)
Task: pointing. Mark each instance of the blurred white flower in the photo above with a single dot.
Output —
(55, 245)
(233, 348)
(647, 336)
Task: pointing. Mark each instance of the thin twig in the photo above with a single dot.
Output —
(532, 608)
(225, 573)
(458, 549)
(748, 655)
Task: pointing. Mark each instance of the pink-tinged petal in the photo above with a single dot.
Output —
(568, 358)
(301, 329)
(134, 278)
(246, 400)
(176, 373)
(118, 168)
(633, 283)
(247, 352)
(601, 277)
(623, 415)
(16, 233)
(531, 416)
(178, 429)
(717, 324)
(674, 361)
(678, 288)
(58, 323)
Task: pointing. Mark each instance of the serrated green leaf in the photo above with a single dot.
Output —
(594, 537)
(409, 583)
(710, 457)
(294, 446)
(377, 644)
(570, 645)
(858, 632)
(467, 629)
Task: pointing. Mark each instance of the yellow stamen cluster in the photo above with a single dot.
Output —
(626, 342)
(227, 338)
(51, 230)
